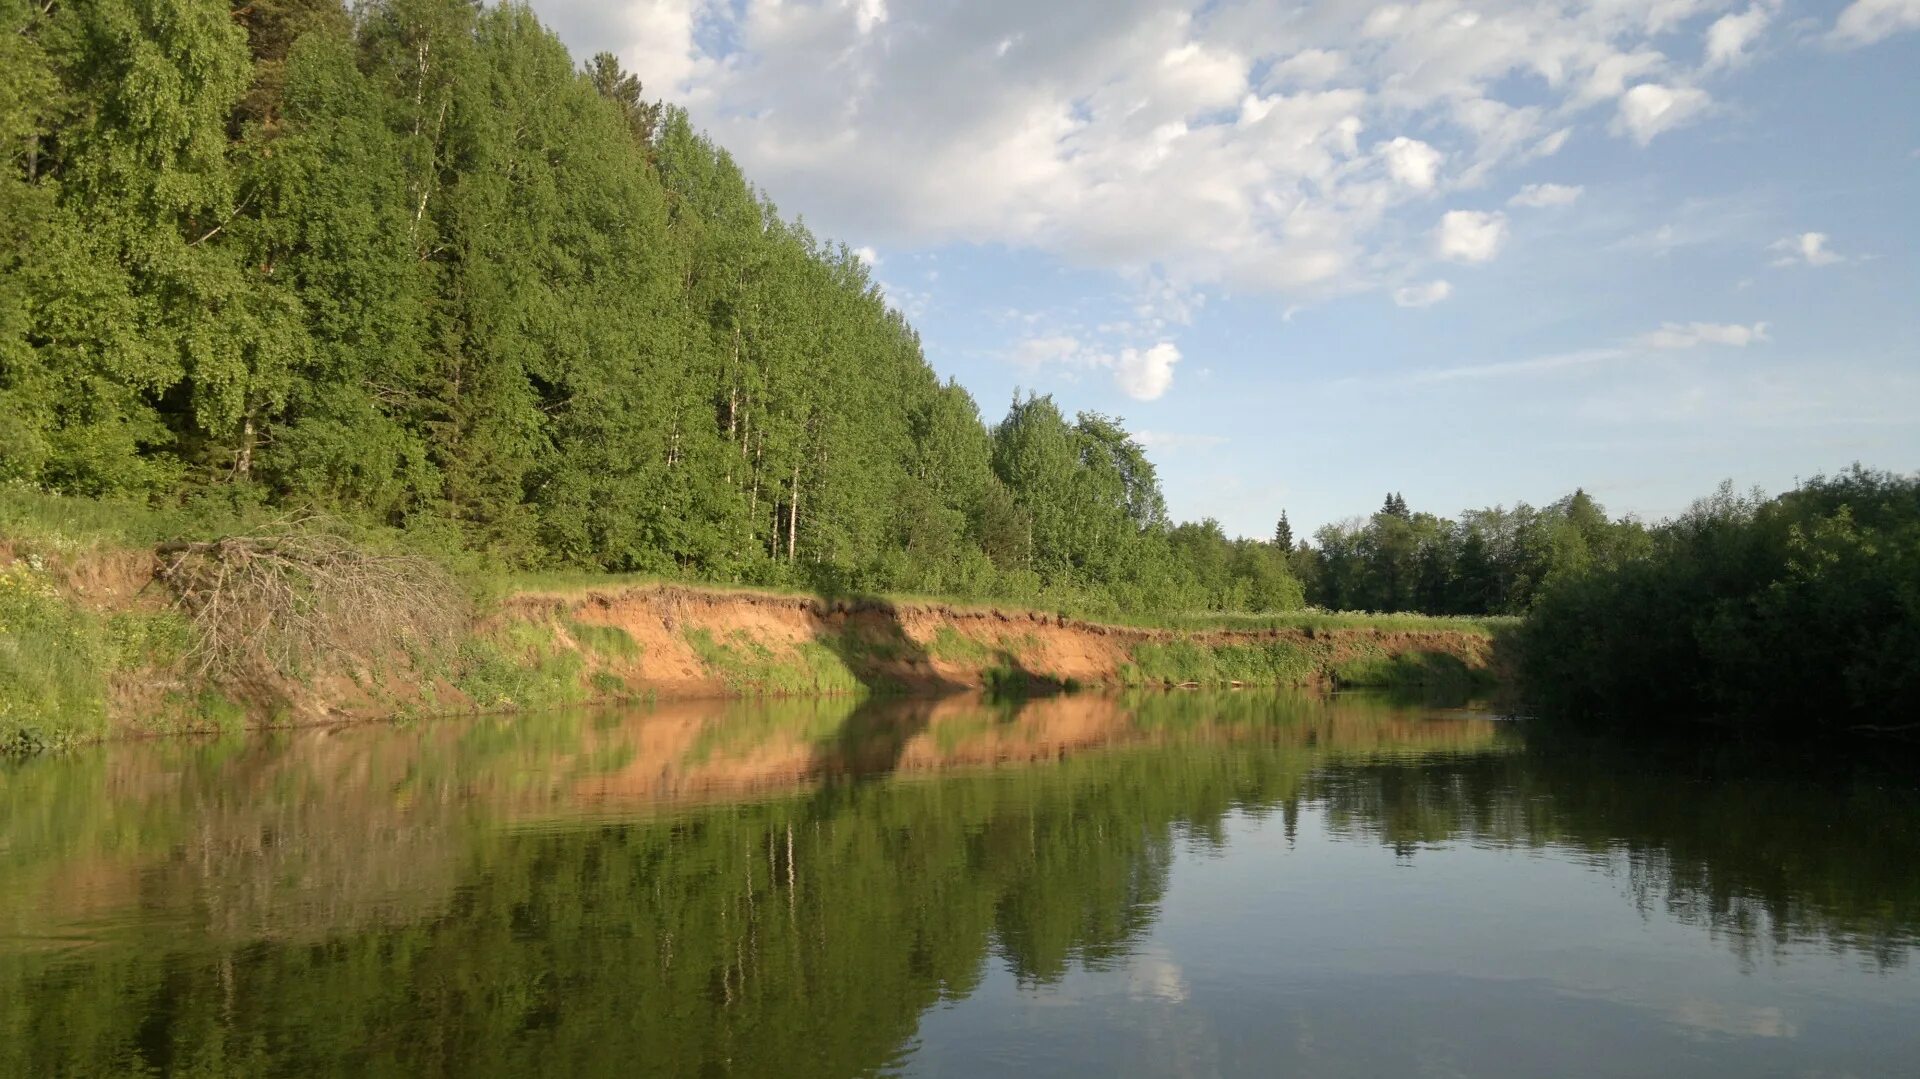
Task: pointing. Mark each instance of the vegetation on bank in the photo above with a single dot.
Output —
(408, 268)
(1799, 612)
(130, 617)
(407, 264)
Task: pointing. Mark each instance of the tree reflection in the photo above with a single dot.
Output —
(695, 890)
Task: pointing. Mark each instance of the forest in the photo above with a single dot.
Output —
(411, 266)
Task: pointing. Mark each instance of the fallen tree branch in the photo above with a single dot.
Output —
(289, 598)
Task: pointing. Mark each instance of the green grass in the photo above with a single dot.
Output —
(606, 642)
(519, 666)
(1424, 670)
(949, 645)
(753, 669)
(54, 658)
(1313, 618)
(1267, 663)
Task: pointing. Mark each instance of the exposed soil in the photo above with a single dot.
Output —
(926, 648)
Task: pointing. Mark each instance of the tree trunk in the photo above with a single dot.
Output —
(243, 463)
(793, 515)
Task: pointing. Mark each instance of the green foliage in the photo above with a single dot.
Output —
(1438, 671)
(1800, 611)
(951, 646)
(53, 663)
(1184, 660)
(519, 666)
(606, 642)
(408, 265)
(753, 669)
(1493, 561)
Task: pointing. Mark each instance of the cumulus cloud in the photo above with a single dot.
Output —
(1536, 196)
(1146, 374)
(1867, 21)
(1242, 144)
(1693, 334)
(1411, 162)
(1730, 36)
(1806, 249)
(1422, 295)
(867, 255)
(1470, 235)
(1651, 108)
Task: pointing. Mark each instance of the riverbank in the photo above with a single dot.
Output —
(95, 644)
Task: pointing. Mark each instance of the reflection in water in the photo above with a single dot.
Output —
(789, 888)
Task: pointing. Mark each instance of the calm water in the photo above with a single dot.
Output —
(1168, 885)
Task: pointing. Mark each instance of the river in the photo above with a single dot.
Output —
(1162, 884)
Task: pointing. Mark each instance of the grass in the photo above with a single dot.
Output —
(1424, 670)
(520, 665)
(949, 645)
(1313, 618)
(53, 662)
(751, 668)
(1267, 663)
(607, 642)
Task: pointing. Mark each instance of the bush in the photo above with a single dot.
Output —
(1803, 610)
(53, 659)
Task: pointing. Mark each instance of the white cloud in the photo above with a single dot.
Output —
(1692, 334)
(1422, 295)
(1308, 67)
(1142, 374)
(1228, 144)
(1055, 350)
(1536, 196)
(1470, 235)
(1867, 21)
(1551, 145)
(1145, 375)
(867, 255)
(1730, 35)
(1806, 249)
(868, 14)
(1411, 162)
(1651, 108)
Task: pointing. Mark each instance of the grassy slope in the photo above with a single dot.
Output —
(81, 659)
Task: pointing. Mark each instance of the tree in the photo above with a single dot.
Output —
(624, 90)
(1283, 533)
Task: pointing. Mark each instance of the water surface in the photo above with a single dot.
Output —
(1188, 884)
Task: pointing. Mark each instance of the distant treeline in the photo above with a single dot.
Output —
(1490, 561)
(1801, 611)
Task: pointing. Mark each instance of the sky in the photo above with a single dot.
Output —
(1476, 253)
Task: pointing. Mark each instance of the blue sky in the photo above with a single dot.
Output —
(1475, 253)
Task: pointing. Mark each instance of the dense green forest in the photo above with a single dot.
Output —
(1490, 561)
(410, 265)
(1800, 611)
